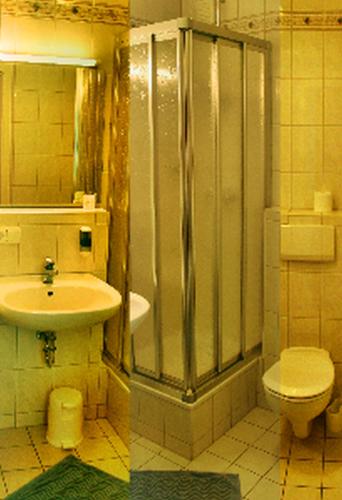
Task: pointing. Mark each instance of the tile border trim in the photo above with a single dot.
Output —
(74, 11)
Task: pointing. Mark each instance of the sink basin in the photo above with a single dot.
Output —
(72, 301)
(138, 309)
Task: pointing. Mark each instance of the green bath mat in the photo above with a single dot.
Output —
(184, 485)
(71, 478)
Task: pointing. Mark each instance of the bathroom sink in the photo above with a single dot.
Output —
(138, 309)
(71, 301)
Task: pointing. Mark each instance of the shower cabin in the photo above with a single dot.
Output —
(200, 164)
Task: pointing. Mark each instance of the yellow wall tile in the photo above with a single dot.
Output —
(332, 296)
(333, 102)
(307, 106)
(304, 332)
(304, 295)
(307, 149)
(307, 58)
(332, 53)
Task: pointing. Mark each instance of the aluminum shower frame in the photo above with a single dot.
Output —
(182, 30)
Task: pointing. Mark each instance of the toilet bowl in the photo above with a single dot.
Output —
(300, 385)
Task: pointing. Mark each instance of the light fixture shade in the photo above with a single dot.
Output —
(42, 59)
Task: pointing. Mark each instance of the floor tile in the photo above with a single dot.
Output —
(227, 448)
(296, 493)
(14, 437)
(278, 472)
(139, 455)
(282, 426)
(245, 432)
(256, 461)
(150, 445)
(207, 462)
(304, 473)
(3, 493)
(133, 436)
(247, 479)
(22, 457)
(50, 455)
(318, 427)
(332, 476)
(16, 479)
(310, 448)
(119, 445)
(285, 446)
(265, 490)
(268, 442)
(91, 429)
(333, 449)
(173, 457)
(113, 466)
(38, 434)
(262, 418)
(106, 426)
(332, 494)
(159, 463)
(95, 448)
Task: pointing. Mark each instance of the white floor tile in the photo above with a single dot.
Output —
(207, 462)
(262, 418)
(256, 461)
(159, 463)
(139, 455)
(228, 448)
(245, 432)
(268, 442)
(265, 490)
(247, 479)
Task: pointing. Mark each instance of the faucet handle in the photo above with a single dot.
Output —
(49, 264)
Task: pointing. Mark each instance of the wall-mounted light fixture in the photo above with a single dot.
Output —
(41, 59)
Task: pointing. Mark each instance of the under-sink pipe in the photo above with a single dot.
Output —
(49, 348)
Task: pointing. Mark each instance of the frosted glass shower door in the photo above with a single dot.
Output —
(142, 231)
(204, 195)
(230, 193)
(254, 196)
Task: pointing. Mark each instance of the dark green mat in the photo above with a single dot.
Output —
(70, 479)
(184, 485)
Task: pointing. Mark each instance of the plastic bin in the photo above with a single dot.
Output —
(65, 418)
(333, 415)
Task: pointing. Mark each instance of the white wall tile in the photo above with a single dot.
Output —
(33, 388)
(30, 350)
(70, 258)
(8, 341)
(37, 243)
(7, 391)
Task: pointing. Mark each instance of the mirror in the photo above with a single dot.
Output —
(51, 133)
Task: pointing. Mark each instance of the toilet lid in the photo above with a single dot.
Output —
(301, 372)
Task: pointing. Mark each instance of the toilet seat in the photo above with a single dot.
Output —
(302, 373)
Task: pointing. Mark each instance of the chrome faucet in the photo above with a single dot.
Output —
(50, 271)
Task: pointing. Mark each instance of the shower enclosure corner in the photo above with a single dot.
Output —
(199, 116)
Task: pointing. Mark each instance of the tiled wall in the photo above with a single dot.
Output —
(189, 429)
(25, 379)
(311, 295)
(118, 404)
(308, 123)
(150, 11)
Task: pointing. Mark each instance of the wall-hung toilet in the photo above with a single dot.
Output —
(300, 386)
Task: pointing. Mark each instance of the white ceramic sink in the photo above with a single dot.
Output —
(72, 301)
(138, 309)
